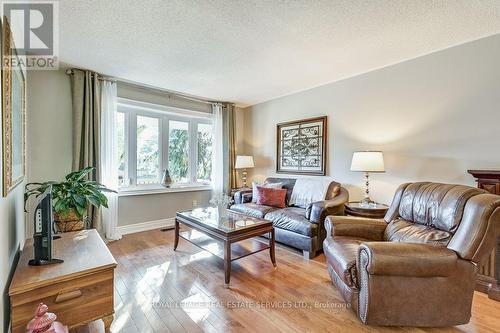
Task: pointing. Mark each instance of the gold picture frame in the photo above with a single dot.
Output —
(13, 114)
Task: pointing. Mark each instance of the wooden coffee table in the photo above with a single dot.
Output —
(230, 238)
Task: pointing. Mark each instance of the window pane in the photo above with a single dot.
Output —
(204, 163)
(178, 151)
(148, 152)
(120, 141)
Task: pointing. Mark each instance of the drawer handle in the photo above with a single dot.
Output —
(66, 296)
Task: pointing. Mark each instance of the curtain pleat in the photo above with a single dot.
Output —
(86, 104)
(224, 173)
(109, 158)
(231, 148)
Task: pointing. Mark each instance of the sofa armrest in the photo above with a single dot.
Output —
(406, 259)
(359, 227)
(318, 211)
(242, 196)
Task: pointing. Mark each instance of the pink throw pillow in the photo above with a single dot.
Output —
(274, 197)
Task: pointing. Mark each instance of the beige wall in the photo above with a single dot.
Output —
(152, 207)
(434, 117)
(50, 143)
(49, 125)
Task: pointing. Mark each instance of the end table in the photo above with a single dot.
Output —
(374, 211)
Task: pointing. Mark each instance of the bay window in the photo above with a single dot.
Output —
(152, 138)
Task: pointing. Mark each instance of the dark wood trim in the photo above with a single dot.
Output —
(324, 144)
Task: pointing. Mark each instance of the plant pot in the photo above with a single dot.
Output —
(69, 221)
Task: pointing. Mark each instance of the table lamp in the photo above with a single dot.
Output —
(244, 162)
(367, 161)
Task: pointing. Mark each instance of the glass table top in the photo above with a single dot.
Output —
(371, 205)
(229, 223)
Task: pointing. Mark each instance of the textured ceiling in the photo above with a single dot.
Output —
(252, 51)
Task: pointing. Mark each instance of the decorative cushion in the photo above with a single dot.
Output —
(273, 197)
(252, 209)
(288, 183)
(255, 195)
(292, 219)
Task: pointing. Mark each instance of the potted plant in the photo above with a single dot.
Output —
(71, 198)
(222, 202)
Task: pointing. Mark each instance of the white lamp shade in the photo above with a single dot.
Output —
(368, 161)
(243, 162)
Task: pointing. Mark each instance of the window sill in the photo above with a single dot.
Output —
(158, 189)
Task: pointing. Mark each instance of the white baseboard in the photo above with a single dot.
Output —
(144, 226)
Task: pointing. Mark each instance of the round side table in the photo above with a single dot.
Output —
(374, 211)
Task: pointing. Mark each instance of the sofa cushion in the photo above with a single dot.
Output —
(252, 209)
(292, 219)
(255, 195)
(274, 197)
(287, 183)
(341, 252)
(404, 231)
(438, 205)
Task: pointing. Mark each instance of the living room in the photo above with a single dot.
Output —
(250, 166)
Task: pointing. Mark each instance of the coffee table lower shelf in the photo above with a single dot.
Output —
(239, 249)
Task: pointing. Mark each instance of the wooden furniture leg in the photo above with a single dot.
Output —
(108, 320)
(271, 248)
(227, 263)
(176, 233)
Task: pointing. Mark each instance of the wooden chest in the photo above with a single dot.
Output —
(78, 291)
(489, 273)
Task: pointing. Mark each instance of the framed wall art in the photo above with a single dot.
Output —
(13, 113)
(301, 147)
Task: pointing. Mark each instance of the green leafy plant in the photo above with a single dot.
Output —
(75, 193)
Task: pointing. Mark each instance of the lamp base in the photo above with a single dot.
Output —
(366, 198)
(244, 174)
(366, 202)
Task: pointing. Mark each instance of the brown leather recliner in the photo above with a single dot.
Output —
(417, 266)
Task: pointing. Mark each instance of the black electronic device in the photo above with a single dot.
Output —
(43, 230)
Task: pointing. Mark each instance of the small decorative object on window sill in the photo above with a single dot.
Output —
(45, 322)
(166, 180)
(222, 202)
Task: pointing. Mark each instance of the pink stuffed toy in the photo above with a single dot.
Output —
(45, 322)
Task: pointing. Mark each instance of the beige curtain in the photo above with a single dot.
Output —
(229, 146)
(86, 98)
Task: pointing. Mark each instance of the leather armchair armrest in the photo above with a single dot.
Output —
(406, 259)
(318, 211)
(359, 227)
(242, 196)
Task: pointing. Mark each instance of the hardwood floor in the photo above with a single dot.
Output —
(159, 290)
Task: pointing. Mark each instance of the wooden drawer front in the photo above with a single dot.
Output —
(493, 188)
(75, 302)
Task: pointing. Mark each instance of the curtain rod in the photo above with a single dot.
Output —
(69, 71)
(146, 87)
